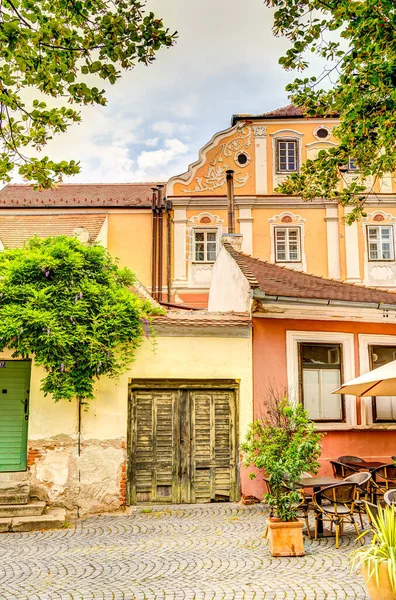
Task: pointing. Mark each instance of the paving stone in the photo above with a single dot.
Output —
(200, 552)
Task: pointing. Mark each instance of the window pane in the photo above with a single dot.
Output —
(281, 234)
(212, 255)
(320, 354)
(332, 403)
(373, 233)
(311, 392)
(199, 256)
(199, 236)
(211, 237)
(385, 232)
(385, 406)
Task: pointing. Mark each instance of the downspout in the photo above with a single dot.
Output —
(168, 208)
(160, 241)
(154, 245)
(230, 200)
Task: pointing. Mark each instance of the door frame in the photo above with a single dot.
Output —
(182, 384)
(29, 362)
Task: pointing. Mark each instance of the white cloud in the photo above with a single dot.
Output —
(171, 128)
(152, 141)
(158, 158)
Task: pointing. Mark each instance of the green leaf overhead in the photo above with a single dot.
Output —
(70, 307)
(66, 50)
(357, 40)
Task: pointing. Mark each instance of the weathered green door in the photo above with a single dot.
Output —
(14, 407)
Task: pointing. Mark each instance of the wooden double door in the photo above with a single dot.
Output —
(182, 442)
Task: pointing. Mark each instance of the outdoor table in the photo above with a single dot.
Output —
(317, 483)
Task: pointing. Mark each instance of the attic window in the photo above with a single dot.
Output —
(242, 159)
(322, 133)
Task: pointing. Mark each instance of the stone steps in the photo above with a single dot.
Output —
(53, 518)
(14, 488)
(34, 508)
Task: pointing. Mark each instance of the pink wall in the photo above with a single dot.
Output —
(269, 370)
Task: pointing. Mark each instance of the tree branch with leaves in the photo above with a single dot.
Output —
(59, 48)
(357, 40)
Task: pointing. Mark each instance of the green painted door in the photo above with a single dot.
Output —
(14, 410)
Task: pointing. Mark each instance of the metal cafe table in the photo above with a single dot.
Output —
(317, 483)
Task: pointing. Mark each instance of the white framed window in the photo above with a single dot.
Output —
(352, 165)
(287, 156)
(320, 374)
(287, 244)
(205, 245)
(384, 407)
(329, 360)
(380, 242)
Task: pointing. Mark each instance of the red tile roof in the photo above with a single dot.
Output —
(203, 318)
(275, 280)
(76, 195)
(15, 230)
(285, 112)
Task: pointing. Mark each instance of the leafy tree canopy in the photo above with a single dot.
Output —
(358, 39)
(69, 305)
(61, 48)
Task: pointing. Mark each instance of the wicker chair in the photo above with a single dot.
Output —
(390, 498)
(362, 481)
(386, 481)
(302, 506)
(350, 459)
(340, 471)
(341, 508)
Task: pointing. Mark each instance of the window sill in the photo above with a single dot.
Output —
(203, 262)
(348, 427)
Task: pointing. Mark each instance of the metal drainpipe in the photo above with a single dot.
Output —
(168, 205)
(160, 241)
(230, 200)
(154, 246)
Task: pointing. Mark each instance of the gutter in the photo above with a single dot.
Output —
(263, 297)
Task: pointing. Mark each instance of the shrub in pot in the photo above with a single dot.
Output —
(377, 561)
(283, 445)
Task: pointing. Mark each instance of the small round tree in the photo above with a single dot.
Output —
(70, 306)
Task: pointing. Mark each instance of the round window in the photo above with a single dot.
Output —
(242, 158)
(322, 133)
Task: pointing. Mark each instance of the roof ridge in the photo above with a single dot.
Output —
(101, 183)
(238, 257)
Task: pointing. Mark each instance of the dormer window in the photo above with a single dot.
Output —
(287, 156)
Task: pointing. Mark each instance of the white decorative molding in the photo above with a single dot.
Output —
(287, 133)
(352, 251)
(260, 131)
(293, 338)
(385, 184)
(328, 129)
(378, 273)
(180, 249)
(333, 242)
(196, 220)
(366, 340)
(296, 221)
(245, 220)
(222, 160)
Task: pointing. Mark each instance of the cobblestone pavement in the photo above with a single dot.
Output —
(200, 552)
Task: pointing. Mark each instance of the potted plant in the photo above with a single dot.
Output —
(377, 561)
(284, 445)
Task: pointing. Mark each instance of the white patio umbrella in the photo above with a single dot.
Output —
(378, 382)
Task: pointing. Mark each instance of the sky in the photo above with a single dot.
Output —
(157, 118)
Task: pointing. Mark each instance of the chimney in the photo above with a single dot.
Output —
(230, 200)
(234, 239)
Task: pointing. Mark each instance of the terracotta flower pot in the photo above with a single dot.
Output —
(285, 538)
(383, 591)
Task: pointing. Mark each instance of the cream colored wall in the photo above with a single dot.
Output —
(171, 358)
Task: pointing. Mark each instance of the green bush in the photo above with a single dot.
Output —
(284, 445)
(71, 307)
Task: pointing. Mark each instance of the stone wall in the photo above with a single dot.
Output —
(94, 481)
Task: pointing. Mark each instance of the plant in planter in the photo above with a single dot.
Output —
(284, 445)
(377, 561)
